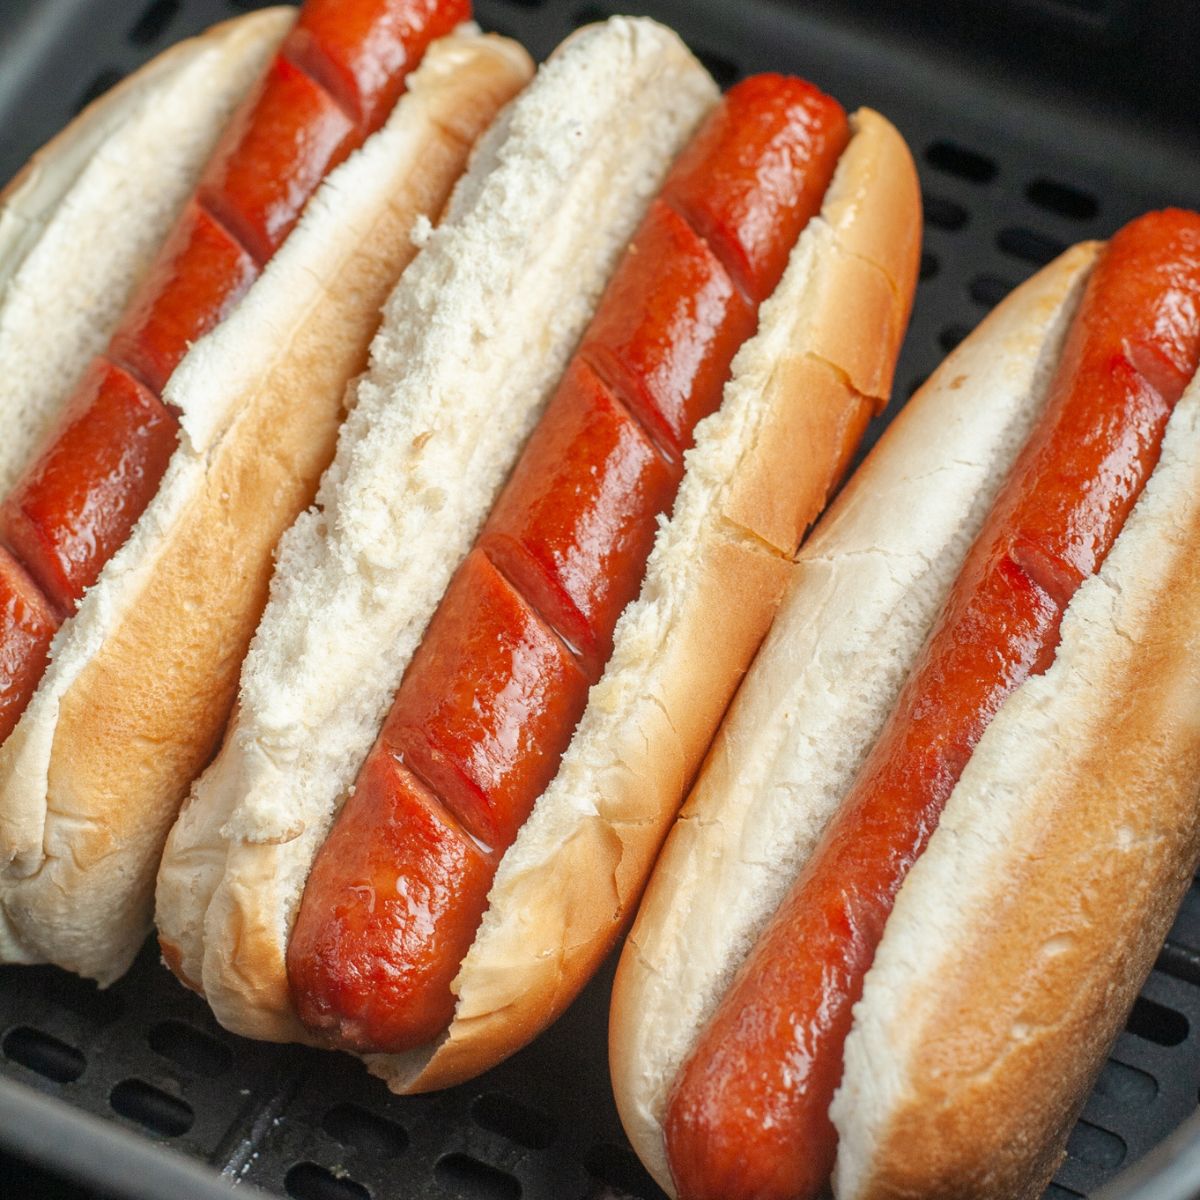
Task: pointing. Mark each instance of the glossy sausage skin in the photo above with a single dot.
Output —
(274, 157)
(491, 698)
(201, 272)
(400, 865)
(102, 464)
(27, 623)
(362, 52)
(577, 563)
(748, 1115)
(74, 506)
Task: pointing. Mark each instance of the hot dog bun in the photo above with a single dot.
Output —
(566, 888)
(1063, 856)
(132, 704)
(125, 165)
(236, 863)
(518, 263)
(867, 587)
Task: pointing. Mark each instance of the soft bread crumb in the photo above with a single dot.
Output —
(130, 708)
(422, 231)
(168, 115)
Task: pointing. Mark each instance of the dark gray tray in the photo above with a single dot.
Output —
(1035, 123)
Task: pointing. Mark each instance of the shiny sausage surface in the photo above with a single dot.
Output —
(27, 623)
(79, 499)
(73, 507)
(201, 272)
(748, 1114)
(477, 725)
(577, 563)
(274, 156)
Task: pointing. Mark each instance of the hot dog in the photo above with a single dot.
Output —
(758, 1054)
(76, 502)
(160, 124)
(146, 522)
(486, 850)
(487, 706)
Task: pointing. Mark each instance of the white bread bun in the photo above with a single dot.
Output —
(1023, 933)
(865, 589)
(1021, 936)
(132, 705)
(810, 376)
(475, 339)
(563, 889)
(114, 181)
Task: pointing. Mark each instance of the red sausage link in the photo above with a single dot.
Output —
(273, 156)
(580, 563)
(664, 345)
(748, 1115)
(75, 505)
(482, 726)
(27, 623)
(333, 82)
(775, 144)
(486, 762)
(482, 702)
(399, 867)
(362, 51)
(198, 277)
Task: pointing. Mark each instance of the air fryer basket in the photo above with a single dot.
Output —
(1035, 123)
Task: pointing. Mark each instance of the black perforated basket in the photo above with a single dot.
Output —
(1035, 123)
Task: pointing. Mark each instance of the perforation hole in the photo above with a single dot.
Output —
(100, 83)
(307, 1181)
(465, 1176)
(943, 214)
(364, 1131)
(513, 1120)
(951, 335)
(154, 21)
(721, 69)
(151, 1107)
(1090, 1144)
(1032, 247)
(929, 265)
(1157, 1023)
(620, 1169)
(189, 1048)
(989, 289)
(1062, 199)
(1126, 1085)
(957, 160)
(44, 1054)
